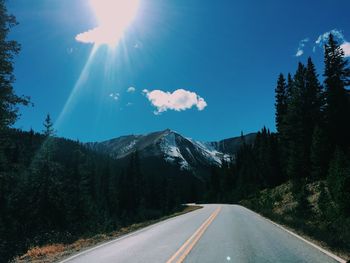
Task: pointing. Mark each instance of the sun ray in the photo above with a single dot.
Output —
(78, 86)
(114, 17)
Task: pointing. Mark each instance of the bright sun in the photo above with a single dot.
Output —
(113, 17)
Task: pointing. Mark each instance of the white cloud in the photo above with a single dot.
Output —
(299, 53)
(339, 36)
(323, 38)
(179, 100)
(114, 96)
(301, 47)
(346, 47)
(131, 89)
(88, 37)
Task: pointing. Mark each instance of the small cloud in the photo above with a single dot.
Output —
(131, 89)
(301, 47)
(89, 37)
(179, 100)
(129, 104)
(99, 35)
(299, 53)
(114, 96)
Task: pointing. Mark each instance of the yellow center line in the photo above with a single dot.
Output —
(191, 242)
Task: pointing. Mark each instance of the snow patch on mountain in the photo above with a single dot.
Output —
(208, 151)
(171, 151)
(129, 147)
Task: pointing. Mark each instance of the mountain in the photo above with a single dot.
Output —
(173, 148)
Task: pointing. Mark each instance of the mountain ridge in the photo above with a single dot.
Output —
(174, 148)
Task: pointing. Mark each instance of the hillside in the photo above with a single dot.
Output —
(309, 210)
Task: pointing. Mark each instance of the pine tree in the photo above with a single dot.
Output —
(314, 100)
(48, 127)
(281, 102)
(295, 133)
(313, 104)
(337, 77)
(283, 132)
(289, 86)
(9, 101)
(248, 177)
(265, 149)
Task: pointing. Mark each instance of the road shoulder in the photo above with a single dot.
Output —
(64, 252)
(302, 237)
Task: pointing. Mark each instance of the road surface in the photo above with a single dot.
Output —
(215, 233)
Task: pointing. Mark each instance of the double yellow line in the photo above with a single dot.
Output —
(186, 248)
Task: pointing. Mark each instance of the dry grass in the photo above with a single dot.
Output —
(56, 252)
(38, 252)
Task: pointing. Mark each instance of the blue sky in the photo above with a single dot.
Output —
(206, 69)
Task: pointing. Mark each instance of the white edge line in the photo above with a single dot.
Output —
(330, 254)
(122, 237)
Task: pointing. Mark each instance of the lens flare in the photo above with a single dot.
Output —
(113, 17)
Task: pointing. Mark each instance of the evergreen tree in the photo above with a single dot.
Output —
(9, 101)
(289, 85)
(265, 149)
(314, 101)
(48, 127)
(295, 120)
(337, 77)
(284, 130)
(281, 102)
(313, 104)
(248, 179)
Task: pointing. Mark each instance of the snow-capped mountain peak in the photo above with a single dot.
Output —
(173, 148)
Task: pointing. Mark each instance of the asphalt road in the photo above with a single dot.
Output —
(215, 233)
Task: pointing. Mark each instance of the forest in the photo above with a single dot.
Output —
(57, 190)
(310, 146)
